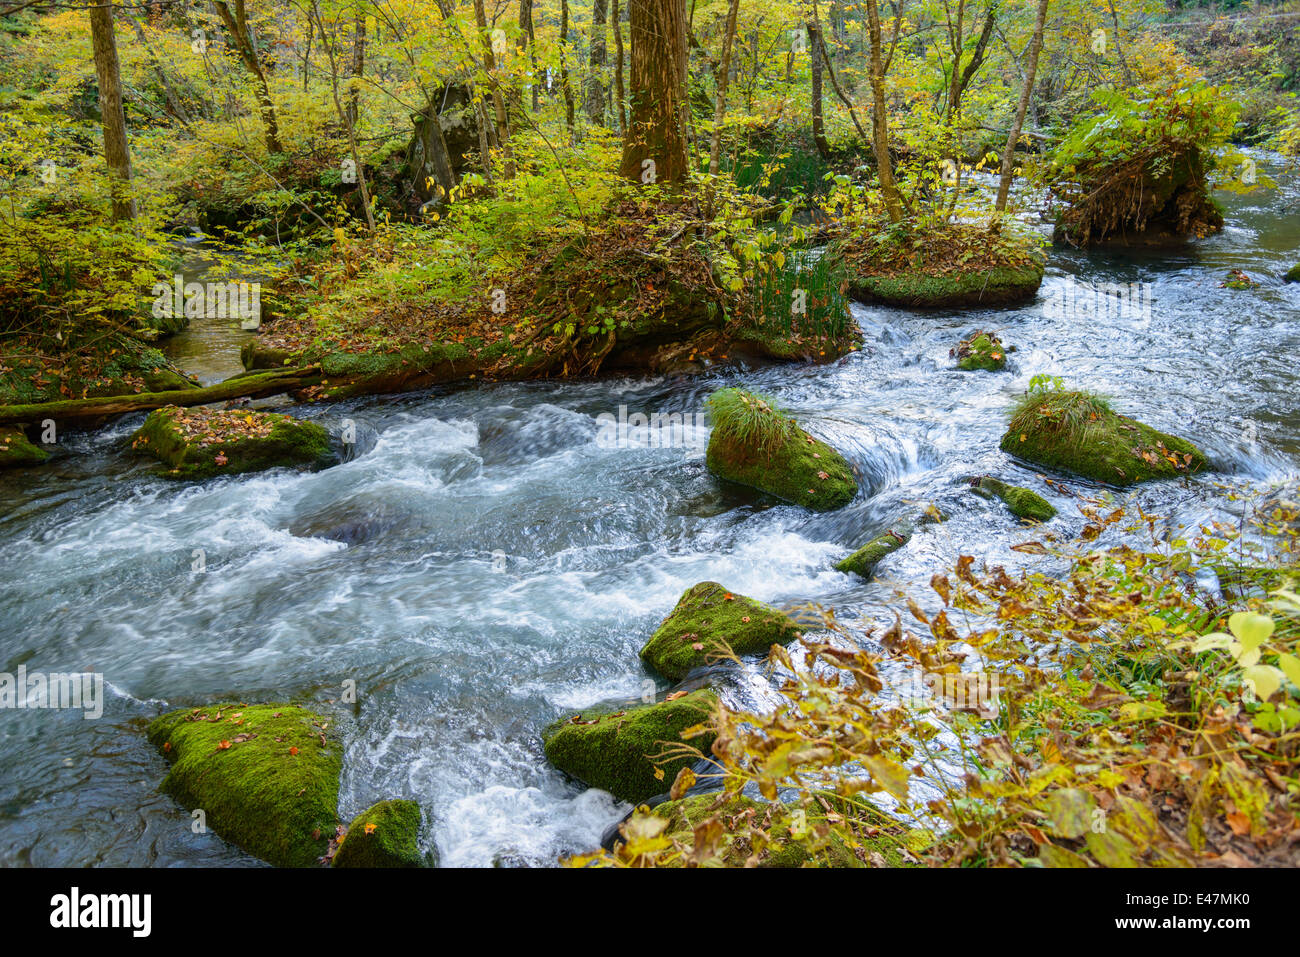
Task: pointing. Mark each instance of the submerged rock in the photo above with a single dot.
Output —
(1023, 502)
(864, 561)
(1080, 433)
(707, 619)
(266, 777)
(615, 751)
(755, 444)
(982, 350)
(385, 835)
(1292, 274)
(198, 443)
(17, 450)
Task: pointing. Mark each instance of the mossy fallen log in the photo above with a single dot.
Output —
(245, 386)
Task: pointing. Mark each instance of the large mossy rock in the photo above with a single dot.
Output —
(265, 776)
(1080, 433)
(951, 266)
(16, 450)
(865, 559)
(616, 751)
(385, 835)
(1023, 502)
(199, 443)
(755, 444)
(707, 620)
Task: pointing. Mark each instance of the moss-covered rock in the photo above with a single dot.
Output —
(198, 443)
(1292, 274)
(708, 619)
(1080, 433)
(1023, 502)
(755, 444)
(385, 835)
(864, 561)
(620, 751)
(265, 776)
(113, 365)
(982, 350)
(17, 450)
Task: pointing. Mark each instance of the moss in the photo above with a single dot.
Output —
(617, 751)
(1292, 274)
(16, 450)
(1023, 502)
(983, 351)
(265, 776)
(864, 561)
(385, 835)
(195, 444)
(1074, 432)
(996, 286)
(788, 463)
(113, 365)
(710, 616)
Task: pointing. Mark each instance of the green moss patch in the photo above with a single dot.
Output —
(116, 364)
(199, 443)
(982, 350)
(707, 620)
(385, 835)
(864, 561)
(1292, 274)
(755, 444)
(1077, 432)
(620, 751)
(1023, 502)
(265, 776)
(17, 450)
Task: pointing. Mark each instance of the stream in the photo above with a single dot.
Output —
(482, 564)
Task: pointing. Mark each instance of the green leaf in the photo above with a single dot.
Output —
(1265, 678)
(1068, 812)
(1251, 629)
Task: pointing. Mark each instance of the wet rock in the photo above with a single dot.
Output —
(982, 350)
(385, 835)
(199, 443)
(1023, 502)
(864, 561)
(707, 619)
(266, 777)
(17, 450)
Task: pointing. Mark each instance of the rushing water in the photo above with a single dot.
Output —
(482, 564)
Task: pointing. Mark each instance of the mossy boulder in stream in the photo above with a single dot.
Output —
(17, 450)
(199, 443)
(755, 444)
(620, 751)
(265, 776)
(864, 561)
(1023, 502)
(1080, 433)
(708, 619)
(1292, 274)
(980, 351)
(385, 835)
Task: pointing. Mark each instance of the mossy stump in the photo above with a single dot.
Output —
(980, 351)
(385, 835)
(706, 621)
(753, 443)
(864, 561)
(200, 443)
(620, 751)
(265, 776)
(1079, 433)
(16, 450)
(1023, 502)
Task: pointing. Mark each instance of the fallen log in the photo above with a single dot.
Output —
(241, 386)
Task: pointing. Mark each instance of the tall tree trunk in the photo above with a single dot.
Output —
(880, 119)
(620, 94)
(331, 48)
(565, 85)
(815, 45)
(117, 152)
(594, 97)
(358, 61)
(236, 25)
(530, 40)
(498, 101)
(654, 145)
(720, 100)
(1026, 92)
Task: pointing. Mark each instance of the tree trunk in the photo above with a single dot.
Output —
(358, 61)
(530, 40)
(815, 44)
(117, 152)
(880, 119)
(720, 101)
(654, 144)
(619, 93)
(1026, 92)
(498, 101)
(594, 98)
(565, 85)
(236, 25)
